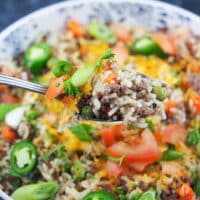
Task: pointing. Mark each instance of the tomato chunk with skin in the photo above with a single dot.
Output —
(174, 134)
(143, 149)
(112, 134)
(113, 169)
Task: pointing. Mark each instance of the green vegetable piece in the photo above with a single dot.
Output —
(101, 31)
(31, 115)
(62, 67)
(193, 137)
(161, 92)
(117, 160)
(171, 155)
(71, 89)
(198, 149)
(146, 46)
(82, 75)
(87, 112)
(149, 195)
(38, 191)
(59, 151)
(23, 158)
(78, 170)
(99, 195)
(83, 131)
(150, 125)
(197, 187)
(36, 57)
(6, 108)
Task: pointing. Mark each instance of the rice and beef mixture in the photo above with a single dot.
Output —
(128, 96)
(50, 147)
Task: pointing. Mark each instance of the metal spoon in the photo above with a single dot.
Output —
(33, 87)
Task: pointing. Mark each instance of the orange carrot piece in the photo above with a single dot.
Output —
(75, 28)
(8, 134)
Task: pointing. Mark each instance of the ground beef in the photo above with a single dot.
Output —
(85, 100)
(170, 195)
(194, 80)
(145, 111)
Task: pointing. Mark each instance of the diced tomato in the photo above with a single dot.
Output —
(113, 169)
(8, 134)
(186, 192)
(144, 149)
(139, 166)
(112, 134)
(196, 103)
(121, 32)
(166, 42)
(173, 134)
(55, 88)
(121, 53)
(75, 28)
(8, 97)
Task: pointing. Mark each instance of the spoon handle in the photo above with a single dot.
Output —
(16, 82)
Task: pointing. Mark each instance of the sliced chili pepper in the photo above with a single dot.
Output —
(23, 158)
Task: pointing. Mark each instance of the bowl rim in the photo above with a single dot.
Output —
(39, 12)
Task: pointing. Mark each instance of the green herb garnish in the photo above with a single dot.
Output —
(83, 131)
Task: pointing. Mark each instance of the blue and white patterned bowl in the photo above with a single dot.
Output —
(152, 14)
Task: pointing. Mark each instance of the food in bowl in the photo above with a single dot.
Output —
(48, 151)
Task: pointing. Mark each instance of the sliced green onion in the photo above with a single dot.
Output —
(78, 170)
(5, 109)
(101, 31)
(38, 191)
(149, 195)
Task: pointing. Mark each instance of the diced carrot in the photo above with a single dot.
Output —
(166, 42)
(67, 100)
(75, 28)
(186, 192)
(169, 105)
(55, 88)
(8, 134)
(121, 32)
(112, 78)
(196, 103)
(121, 53)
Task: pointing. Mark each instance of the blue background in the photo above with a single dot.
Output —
(11, 10)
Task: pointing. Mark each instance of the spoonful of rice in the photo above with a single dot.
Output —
(103, 91)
